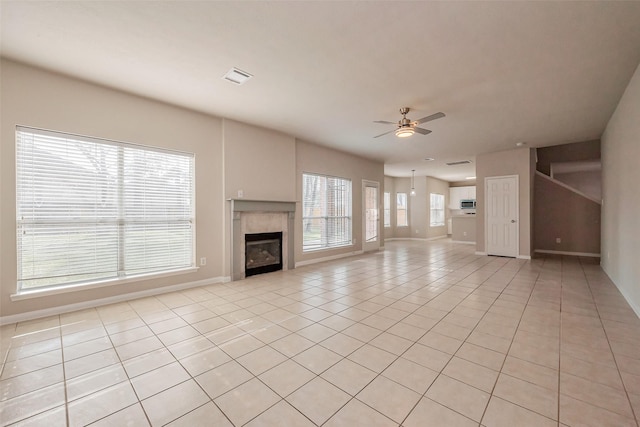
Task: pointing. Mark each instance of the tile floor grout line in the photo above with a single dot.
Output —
(560, 297)
(64, 376)
(391, 284)
(453, 355)
(615, 360)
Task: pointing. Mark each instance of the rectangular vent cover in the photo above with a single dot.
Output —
(237, 76)
(461, 162)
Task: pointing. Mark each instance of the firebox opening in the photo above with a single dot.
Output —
(262, 253)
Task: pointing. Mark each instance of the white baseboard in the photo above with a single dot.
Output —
(422, 239)
(523, 257)
(464, 242)
(480, 253)
(624, 294)
(327, 258)
(30, 315)
(633, 306)
(585, 254)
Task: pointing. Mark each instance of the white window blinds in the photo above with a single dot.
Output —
(436, 210)
(93, 210)
(402, 219)
(387, 209)
(326, 207)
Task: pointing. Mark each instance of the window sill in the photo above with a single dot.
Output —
(306, 251)
(35, 293)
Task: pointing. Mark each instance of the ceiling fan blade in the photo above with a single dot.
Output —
(382, 134)
(422, 131)
(385, 122)
(429, 118)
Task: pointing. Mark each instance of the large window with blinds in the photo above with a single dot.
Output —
(402, 218)
(387, 209)
(436, 210)
(92, 210)
(326, 207)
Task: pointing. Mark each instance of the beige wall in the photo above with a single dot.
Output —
(311, 158)
(36, 98)
(419, 209)
(559, 212)
(462, 183)
(621, 204)
(503, 163)
(588, 182)
(229, 156)
(259, 162)
(577, 151)
(464, 229)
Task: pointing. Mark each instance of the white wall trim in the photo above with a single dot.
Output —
(517, 257)
(624, 294)
(99, 284)
(585, 254)
(464, 242)
(568, 187)
(30, 315)
(422, 239)
(327, 258)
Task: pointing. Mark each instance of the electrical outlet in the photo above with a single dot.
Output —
(203, 261)
(558, 240)
(464, 233)
(240, 194)
(417, 231)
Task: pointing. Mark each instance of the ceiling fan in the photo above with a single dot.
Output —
(406, 127)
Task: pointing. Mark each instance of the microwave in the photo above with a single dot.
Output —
(467, 204)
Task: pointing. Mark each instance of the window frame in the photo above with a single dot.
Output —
(325, 243)
(434, 210)
(405, 209)
(127, 269)
(386, 209)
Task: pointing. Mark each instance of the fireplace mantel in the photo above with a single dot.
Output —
(244, 212)
(247, 205)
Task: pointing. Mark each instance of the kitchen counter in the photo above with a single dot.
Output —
(463, 228)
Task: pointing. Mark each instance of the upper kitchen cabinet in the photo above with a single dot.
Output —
(461, 193)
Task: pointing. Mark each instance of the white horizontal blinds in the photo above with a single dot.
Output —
(326, 212)
(387, 209)
(338, 231)
(402, 219)
(436, 210)
(73, 225)
(157, 210)
(66, 210)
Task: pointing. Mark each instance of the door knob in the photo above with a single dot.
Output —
(513, 220)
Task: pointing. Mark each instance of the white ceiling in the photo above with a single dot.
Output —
(503, 72)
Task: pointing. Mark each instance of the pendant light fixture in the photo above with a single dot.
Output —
(413, 188)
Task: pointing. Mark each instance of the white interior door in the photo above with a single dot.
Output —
(370, 215)
(502, 215)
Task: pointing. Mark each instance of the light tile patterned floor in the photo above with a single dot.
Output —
(421, 334)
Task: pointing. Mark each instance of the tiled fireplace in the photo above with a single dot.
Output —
(261, 221)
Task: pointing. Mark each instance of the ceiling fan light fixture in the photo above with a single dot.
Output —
(404, 132)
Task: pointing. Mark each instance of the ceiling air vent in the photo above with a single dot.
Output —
(237, 76)
(461, 162)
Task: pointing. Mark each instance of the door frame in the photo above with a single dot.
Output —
(486, 212)
(371, 246)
